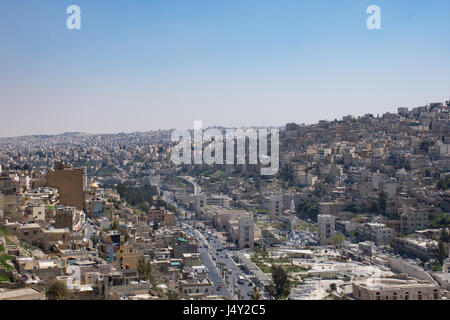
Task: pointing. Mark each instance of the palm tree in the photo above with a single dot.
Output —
(256, 293)
(271, 290)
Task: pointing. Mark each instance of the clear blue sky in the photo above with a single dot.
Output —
(140, 65)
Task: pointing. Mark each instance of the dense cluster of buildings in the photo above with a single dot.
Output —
(375, 188)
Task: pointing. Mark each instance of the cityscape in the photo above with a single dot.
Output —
(359, 210)
(224, 158)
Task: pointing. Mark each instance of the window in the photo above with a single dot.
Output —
(394, 297)
(435, 294)
(406, 295)
(377, 296)
(419, 295)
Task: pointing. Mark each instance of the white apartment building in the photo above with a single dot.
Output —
(246, 231)
(378, 233)
(202, 200)
(326, 229)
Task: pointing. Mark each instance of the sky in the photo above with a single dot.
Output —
(140, 65)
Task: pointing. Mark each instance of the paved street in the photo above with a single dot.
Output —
(218, 257)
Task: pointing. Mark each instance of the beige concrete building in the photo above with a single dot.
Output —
(161, 216)
(413, 220)
(326, 229)
(246, 232)
(69, 182)
(395, 289)
(195, 288)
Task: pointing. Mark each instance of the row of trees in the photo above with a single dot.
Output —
(142, 196)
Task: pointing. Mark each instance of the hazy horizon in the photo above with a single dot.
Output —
(137, 66)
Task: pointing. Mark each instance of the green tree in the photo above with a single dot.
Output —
(441, 254)
(122, 190)
(445, 237)
(144, 268)
(57, 291)
(271, 290)
(339, 237)
(173, 296)
(281, 281)
(256, 294)
(382, 202)
(95, 240)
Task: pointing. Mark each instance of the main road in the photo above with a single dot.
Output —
(220, 287)
(214, 250)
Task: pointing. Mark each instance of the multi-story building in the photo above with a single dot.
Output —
(161, 216)
(246, 232)
(69, 182)
(416, 247)
(35, 212)
(378, 233)
(326, 229)
(65, 217)
(194, 288)
(412, 220)
(276, 205)
(395, 289)
(9, 199)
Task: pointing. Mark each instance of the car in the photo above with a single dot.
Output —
(250, 284)
(249, 293)
(220, 286)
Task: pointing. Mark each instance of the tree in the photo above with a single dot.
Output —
(281, 281)
(339, 237)
(382, 201)
(95, 239)
(126, 235)
(271, 290)
(164, 268)
(445, 237)
(57, 291)
(115, 224)
(122, 190)
(144, 268)
(172, 296)
(256, 293)
(441, 254)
